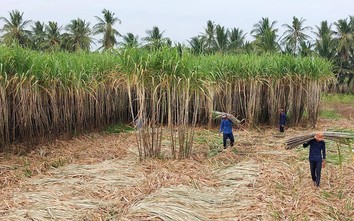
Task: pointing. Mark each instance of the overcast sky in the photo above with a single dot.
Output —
(181, 19)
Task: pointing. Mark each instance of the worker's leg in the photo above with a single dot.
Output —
(318, 172)
(224, 138)
(232, 139)
(313, 168)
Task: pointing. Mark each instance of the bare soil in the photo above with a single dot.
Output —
(98, 176)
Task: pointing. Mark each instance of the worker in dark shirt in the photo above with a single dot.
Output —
(317, 157)
(282, 119)
(226, 130)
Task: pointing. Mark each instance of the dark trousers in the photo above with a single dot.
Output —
(281, 128)
(228, 136)
(315, 167)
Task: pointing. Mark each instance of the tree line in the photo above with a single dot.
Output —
(334, 42)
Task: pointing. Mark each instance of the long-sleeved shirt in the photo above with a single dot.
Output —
(316, 147)
(226, 126)
(282, 118)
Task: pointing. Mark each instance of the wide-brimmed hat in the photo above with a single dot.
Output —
(319, 136)
(223, 116)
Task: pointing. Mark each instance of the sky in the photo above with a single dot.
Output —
(181, 19)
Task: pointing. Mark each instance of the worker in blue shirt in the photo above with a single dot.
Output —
(226, 130)
(282, 119)
(317, 157)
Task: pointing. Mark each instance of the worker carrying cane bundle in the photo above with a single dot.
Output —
(317, 157)
(226, 130)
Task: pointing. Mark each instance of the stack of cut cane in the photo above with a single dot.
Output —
(219, 114)
(340, 137)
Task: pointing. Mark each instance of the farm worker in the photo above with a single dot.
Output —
(226, 130)
(282, 119)
(317, 157)
(139, 123)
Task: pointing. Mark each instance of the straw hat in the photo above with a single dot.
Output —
(319, 136)
(224, 116)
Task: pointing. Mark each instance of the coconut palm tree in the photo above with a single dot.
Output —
(345, 39)
(344, 36)
(168, 42)
(325, 43)
(198, 45)
(236, 39)
(130, 41)
(79, 35)
(105, 27)
(265, 34)
(295, 34)
(209, 35)
(221, 39)
(262, 26)
(14, 29)
(249, 47)
(351, 22)
(287, 49)
(38, 35)
(52, 40)
(305, 48)
(154, 38)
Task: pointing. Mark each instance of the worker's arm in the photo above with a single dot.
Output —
(324, 155)
(324, 150)
(221, 126)
(307, 143)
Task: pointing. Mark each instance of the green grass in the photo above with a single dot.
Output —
(118, 128)
(338, 98)
(326, 194)
(210, 139)
(334, 158)
(27, 172)
(213, 150)
(329, 114)
(215, 146)
(200, 139)
(339, 129)
(59, 162)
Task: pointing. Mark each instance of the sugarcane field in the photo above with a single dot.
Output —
(98, 123)
(141, 139)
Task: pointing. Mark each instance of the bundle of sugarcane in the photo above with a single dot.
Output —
(340, 137)
(219, 114)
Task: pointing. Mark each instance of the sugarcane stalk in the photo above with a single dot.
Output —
(339, 156)
(338, 137)
(219, 114)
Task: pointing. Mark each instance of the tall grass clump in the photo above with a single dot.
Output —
(45, 94)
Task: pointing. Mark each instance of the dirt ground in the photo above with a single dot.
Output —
(98, 176)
